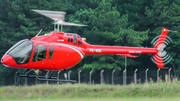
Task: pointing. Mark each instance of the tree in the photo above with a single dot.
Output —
(165, 13)
(107, 27)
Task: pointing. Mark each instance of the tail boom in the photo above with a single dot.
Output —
(157, 52)
(102, 50)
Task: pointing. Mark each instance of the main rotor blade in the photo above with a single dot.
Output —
(55, 15)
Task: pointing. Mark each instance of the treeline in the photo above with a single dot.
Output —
(110, 22)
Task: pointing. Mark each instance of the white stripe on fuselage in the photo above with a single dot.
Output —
(68, 46)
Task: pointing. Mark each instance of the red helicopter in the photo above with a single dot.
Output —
(61, 51)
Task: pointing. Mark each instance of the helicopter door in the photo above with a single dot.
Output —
(40, 53)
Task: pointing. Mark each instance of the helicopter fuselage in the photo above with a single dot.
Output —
(59, 51)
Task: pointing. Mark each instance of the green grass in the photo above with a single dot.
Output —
(151, 91)
(97, 99)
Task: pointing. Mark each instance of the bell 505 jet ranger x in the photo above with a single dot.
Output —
(61, 51)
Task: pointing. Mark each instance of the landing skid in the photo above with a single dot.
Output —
(47, 77)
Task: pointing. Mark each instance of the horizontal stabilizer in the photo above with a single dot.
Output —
(165, 68)
(128, 55)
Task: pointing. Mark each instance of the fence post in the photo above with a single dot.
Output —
(169, 74)
(135, 77)
(47, 77)
(124, 78)
(90, 76)
(25, 81)
(113, 76)
(58, 77)
(69, 75)
(65, 76)
(79, 77)
(36, 81)
(15, 78)
(158, 74)
(101, 76)
(146, 75)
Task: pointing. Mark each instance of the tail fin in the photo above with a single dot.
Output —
(162, 57)
(161, 39)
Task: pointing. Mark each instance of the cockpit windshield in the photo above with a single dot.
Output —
(21, 51)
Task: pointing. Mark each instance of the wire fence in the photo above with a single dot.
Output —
(104, 77)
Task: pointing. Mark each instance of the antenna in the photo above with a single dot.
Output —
(39, 33)
(42, 27)
(58, 17)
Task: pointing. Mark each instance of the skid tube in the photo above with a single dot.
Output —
(43, 78)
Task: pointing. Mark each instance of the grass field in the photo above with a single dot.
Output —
(97, 99)
(142, 92)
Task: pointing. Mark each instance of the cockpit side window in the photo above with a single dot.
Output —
(51, 51)
(40, 53)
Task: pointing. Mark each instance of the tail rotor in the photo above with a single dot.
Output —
(160, 42)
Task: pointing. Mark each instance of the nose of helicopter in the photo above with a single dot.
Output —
(7, 60)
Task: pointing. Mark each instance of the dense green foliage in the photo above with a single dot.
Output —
(110, 22)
